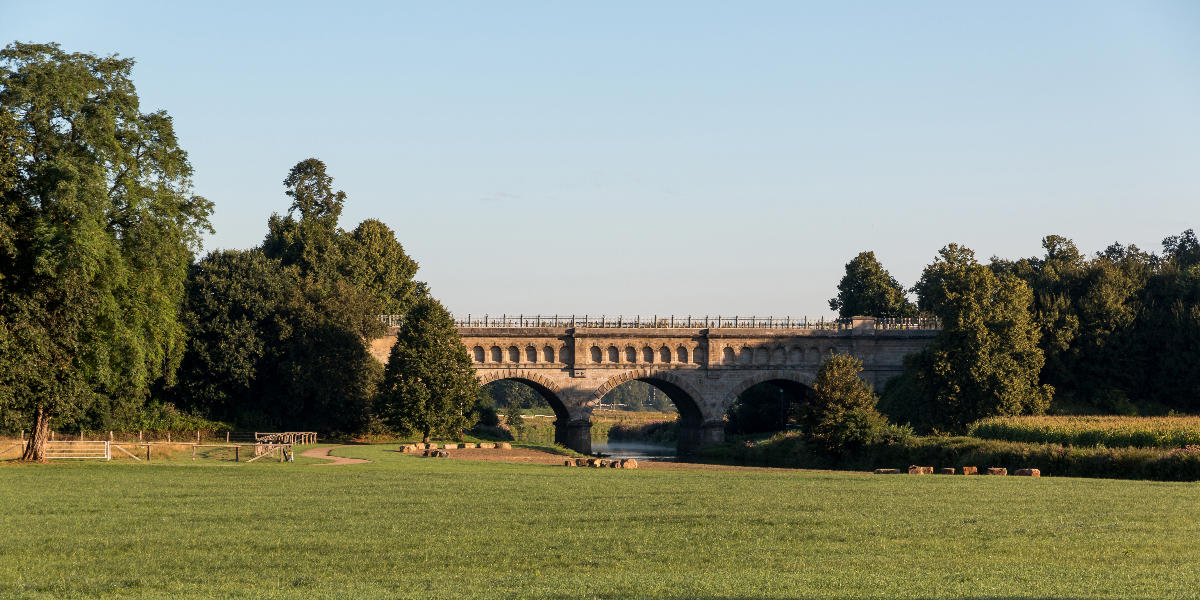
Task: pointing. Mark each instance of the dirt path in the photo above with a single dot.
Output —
(323, 452)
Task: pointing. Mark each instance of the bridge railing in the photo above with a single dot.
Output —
(655, 321)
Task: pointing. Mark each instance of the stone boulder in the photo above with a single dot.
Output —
(629, 463)
(997, 471)
(616, 464)
(915, 470)
(568, 463)
(1028, 472)
(946, 470)
(970, 470)
(581, 462)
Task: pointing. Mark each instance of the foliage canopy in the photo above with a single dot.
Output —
(97, 227)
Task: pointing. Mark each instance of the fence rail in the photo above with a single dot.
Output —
(706, 322)
(81, 450)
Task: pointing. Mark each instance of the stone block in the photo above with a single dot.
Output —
(487, 445)
(946, 470)
(887, 471)
(997, 471)
(970, 470)
(467, 445)
(568, 463)
(503, 446)
(629, 463)
(915, 470)
(616, 464)
(581, 462)
(449, 446)
(1028, 472)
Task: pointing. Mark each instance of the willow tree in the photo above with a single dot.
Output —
(97, 228)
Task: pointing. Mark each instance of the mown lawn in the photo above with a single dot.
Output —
(410, 527)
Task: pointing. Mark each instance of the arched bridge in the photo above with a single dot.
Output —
(702, 365)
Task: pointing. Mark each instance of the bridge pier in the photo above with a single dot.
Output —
(575, 434)
(694, 437)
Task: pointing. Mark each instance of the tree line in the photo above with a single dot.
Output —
(1117, 331)
(104, 313)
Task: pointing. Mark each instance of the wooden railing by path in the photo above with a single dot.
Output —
(286, 437)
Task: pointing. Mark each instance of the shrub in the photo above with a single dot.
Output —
(840, 414)
(1179, 464)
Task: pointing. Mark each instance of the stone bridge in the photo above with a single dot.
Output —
(702, 366)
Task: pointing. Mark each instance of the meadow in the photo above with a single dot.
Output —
(410, 527)
(1112, 431)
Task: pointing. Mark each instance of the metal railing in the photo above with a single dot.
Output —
(706, 322)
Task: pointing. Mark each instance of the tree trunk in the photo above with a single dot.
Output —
(35, 451)
(425, 438)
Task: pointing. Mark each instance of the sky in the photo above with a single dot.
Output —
(692, 157)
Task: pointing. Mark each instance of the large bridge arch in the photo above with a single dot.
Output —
(698, 425)
(565, 419)
(785, 378)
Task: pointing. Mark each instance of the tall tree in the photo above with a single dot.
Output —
(97, 227)
(308, 236)
(429, 385)
(377, 263)
(868, 289)
(986, 360)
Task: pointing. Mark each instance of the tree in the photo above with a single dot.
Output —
(515, 421)
(97, 228)
(868, 289)
(429, 385)
(841, 410)
(986, 360)
(377, 263)
(1164, 344)
(270, 348)
(308, 236)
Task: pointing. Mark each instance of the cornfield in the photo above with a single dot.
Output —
(1144, 432)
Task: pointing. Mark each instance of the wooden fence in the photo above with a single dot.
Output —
(80, 450)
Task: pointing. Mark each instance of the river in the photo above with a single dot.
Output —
(634, 450)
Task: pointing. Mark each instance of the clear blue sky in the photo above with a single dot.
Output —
(675, 157)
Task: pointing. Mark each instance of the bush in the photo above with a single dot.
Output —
(840, 414)
(788, 450)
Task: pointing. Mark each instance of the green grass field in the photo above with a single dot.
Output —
(409, 527)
